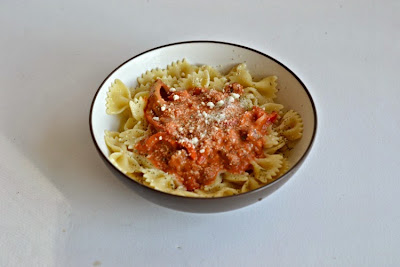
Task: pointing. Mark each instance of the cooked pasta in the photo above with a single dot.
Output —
(281, 129)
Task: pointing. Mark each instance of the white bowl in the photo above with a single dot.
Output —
(293, 94)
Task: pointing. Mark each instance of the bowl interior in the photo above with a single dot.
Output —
(292, 93)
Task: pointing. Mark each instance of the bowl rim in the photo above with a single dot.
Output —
(288, 173)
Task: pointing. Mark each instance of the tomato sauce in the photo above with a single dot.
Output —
(197, 133)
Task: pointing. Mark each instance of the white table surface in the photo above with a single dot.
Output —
(60, 205)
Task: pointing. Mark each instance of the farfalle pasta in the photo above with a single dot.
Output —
(170, 151)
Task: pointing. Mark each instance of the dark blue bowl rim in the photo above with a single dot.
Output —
(292, 169)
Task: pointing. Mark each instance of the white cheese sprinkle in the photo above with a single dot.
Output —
(195, 141)
(234, 95)
(220, 103)
(156, 118)
(160, 138)
(210, 104)
(205, 114)
(202, 150)
(176, 97)
(180, 129)
(231, 99)
(203, 103)
(163, 108)
(172, 89)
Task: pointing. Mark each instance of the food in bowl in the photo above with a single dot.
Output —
(189, 130)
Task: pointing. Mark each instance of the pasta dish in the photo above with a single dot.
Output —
(192, 131)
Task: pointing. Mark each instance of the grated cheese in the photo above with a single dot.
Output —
(210, 104)
(234, 95)
(194, 141)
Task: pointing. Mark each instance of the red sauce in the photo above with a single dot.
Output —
(197, 133)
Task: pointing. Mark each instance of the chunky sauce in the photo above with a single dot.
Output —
(197, 133)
